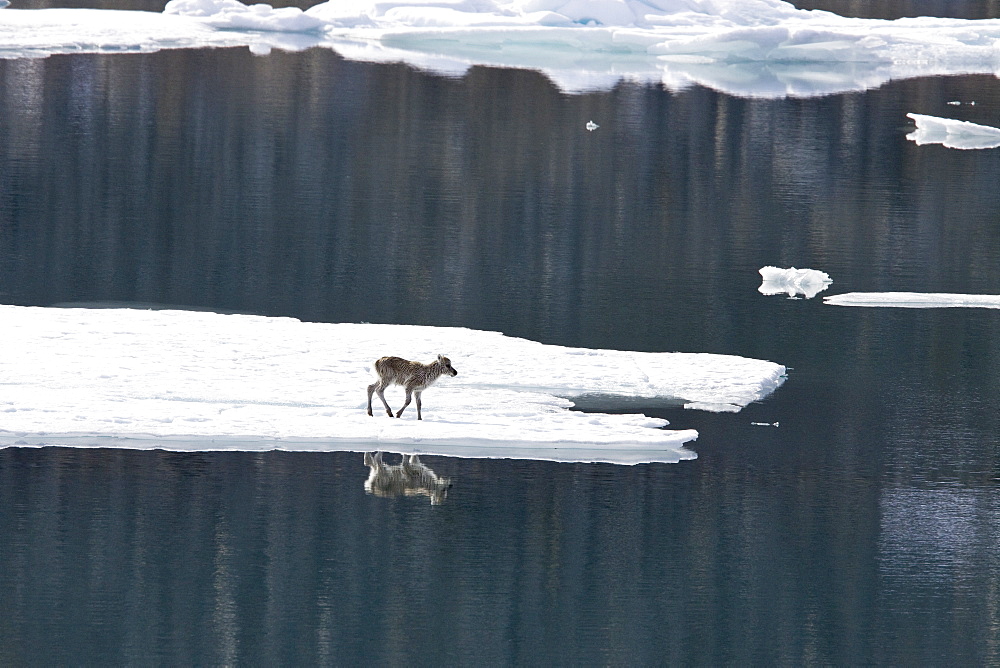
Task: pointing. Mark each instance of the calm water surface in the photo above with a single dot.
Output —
(863, 528)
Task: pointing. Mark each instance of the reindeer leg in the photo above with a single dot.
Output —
(371, 389)
(417, 394)
(409, 392)
(380, 390)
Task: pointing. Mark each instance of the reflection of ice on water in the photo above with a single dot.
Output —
(792, 282)
(409, 477)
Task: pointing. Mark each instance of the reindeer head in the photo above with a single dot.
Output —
(446, 363)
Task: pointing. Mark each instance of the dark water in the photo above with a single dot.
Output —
(864, 528)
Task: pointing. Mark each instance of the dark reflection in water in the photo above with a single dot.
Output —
(303, 185)
(117, 557)
(861, 530)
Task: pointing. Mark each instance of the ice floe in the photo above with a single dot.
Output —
(202, 381)
(953, 133)
(914, 300)
(793, 282)
(761, 48)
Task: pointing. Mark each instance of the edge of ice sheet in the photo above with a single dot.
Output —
(755, 48)
(953, 133)
(71, 374)
(914, 300)
(467, 450)
(792, 281)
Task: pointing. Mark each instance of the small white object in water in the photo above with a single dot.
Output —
(764, 424)
(591, 125)
(955, 103)
(805, 282)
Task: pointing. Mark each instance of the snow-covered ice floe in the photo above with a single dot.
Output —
(914, 300)
(760, 48)
(202, 381)
(793, 282)
(952, 133)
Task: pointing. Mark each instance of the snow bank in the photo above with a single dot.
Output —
(952, 133)
(792, 282)
(914, 300)
(188, 380)
(762, 48)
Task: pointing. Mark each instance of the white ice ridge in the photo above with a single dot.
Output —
(760, 48)
(952, 133)
(914, 300)
(792, 282)
(194, 380)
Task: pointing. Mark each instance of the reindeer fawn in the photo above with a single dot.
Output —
(415, 377)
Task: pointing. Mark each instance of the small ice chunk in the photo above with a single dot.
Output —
(591, 125)
(953, 133)
(792, 281)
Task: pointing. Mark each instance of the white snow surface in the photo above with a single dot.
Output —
(953, 133)
(760, 48)
(793, 282)
(914, 300)
(203, 381)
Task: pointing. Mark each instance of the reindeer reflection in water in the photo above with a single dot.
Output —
(409, 477)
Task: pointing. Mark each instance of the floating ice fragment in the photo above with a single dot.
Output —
(955, 103)
(764, 424)
(914, 300)
(193, 381)
(953, 133)
(591, 125)
(806, 282)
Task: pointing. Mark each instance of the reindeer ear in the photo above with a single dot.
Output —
(440, 358)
